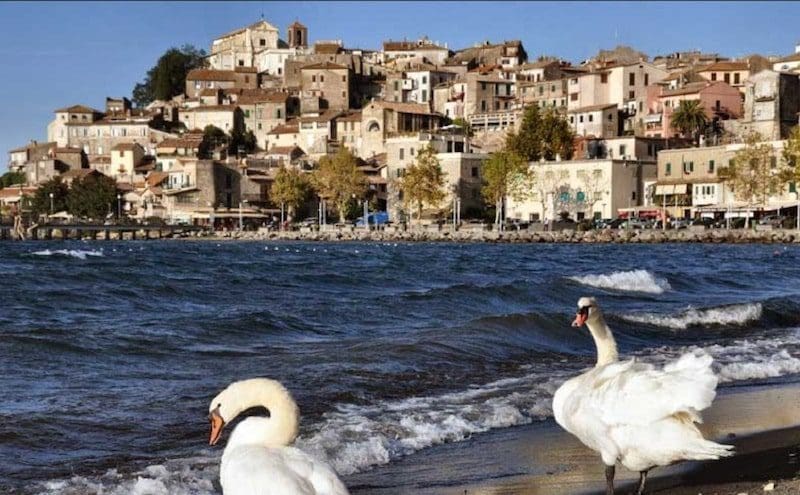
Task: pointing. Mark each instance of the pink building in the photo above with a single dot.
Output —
(720, 100)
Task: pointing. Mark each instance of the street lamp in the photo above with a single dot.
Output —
(51, 203)
(119, 206)
(241, 220)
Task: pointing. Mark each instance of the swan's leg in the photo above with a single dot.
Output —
(642, 480)
(609, 480)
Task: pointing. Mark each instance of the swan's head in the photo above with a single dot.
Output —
(587, 309)
(245, 396)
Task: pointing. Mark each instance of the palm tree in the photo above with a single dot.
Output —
(689, 118)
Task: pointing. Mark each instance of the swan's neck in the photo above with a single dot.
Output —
(604, 340)
(279, 429)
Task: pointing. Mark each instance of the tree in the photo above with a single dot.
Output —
(11, 179)
(168, 77)
(290, 187)
(689, 118)
(212, 137)
(92, 196)
(338, 180)
(40, 203)
(462, 123)
(423, 181)
(505, 174)
(542, 135)
(246, 140)
(753, 173)
(791, 171)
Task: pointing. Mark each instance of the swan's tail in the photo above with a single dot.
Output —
(706, 450)
(692, 381)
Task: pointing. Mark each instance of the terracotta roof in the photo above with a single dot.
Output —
(251, 97)
(98, 159)
(592, 108)
(324, 66)
(14, 191)
(77, 109)
(185, 142)
(538, 65)
(246, 70)
(296, 24)
(210, 75)
(325, 116)
(31, 146)
(288, 128)
(126, 147)
(722, 66)
(155, 178)
(794, 57)
(209, 92)
(212, 108)
(327, 48)
(353, 116)
(687, 89)
(402, 46)
(67, 150)
(79, 172)
(416, 108)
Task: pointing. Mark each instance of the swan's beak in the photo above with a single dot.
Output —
(217, 423)
(580, 318)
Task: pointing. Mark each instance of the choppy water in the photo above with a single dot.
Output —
(111, 351)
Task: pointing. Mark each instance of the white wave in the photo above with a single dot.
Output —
(737, 314)
(353, 438)
(631, 281)
(74, 253)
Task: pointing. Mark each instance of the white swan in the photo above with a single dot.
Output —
(633, 413)
(257, 459)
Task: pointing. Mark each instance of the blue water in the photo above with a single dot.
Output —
(111, 351)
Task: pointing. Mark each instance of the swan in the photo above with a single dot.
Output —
(258, 459)
(633, 413)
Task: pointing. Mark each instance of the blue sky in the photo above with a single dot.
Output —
(61, 53)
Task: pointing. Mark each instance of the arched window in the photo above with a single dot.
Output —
(373, 127)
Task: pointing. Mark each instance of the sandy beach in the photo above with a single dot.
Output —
(536, 459)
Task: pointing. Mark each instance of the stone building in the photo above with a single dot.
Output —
(241, 47)
(771, 104)
(328, 81)
(198, 80)
(381, 120)
(422, 50)
(719, 100)
(225, 117)
(599, 121)
(508, 55)
(262, 111)
(415, 84)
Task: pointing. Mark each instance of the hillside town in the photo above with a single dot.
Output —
(301, 103)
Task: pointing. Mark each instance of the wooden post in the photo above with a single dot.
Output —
(133, 234)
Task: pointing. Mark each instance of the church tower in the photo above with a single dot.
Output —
(297, 35)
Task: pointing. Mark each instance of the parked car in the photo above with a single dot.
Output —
(704, 221)
(634, 223)
(679, 223)
(774, 220)
(516, 224)
(613, 224)
(309, 222)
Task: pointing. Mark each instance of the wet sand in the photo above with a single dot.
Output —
(763, 422)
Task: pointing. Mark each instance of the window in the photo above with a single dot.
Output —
(241, 63)
(622, 150)
(631, 79)
(646, 78)
(483, 86)
(792, 187)
(773, 162)
(591, 117)
(475, 172)
(649, 149)
(344, 78)
(573, 97)
(727, 78)
(424, 79)
(313, 78)
(497, 105)
(321, 78)
(411, 151)
(397, 85)
(483, 105)
(631, 94)
(280, 71)
(580, 119)
(610, 117)
(736, 78)
(247, 114)
(424, 95)
(711, 166)
(198, 85)
(541, 90)
(571, 119)
(259, 126)
(633, 195)
(402, 153)
(247, 79)
(277, 113)
(713, 76)
(668, 169)
(262, 42)
(603, 78)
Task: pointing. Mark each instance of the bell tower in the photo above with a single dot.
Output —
(297, 35)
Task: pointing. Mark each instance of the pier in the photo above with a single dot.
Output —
(94, 232)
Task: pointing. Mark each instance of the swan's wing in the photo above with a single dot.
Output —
(637, 393)
(253, 470)
(321, 476)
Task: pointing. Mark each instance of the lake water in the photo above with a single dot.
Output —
(111, 351)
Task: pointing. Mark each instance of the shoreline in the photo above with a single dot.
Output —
(762, 421)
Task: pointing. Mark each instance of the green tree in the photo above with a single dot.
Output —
(11, 179)
(689, 118)
(212, 137)
(462, 123)
(290, 187)
(168, 77)
(40, 203)
(246, 140)
(423, 181)
(505, 174)
(791, 170)
(542, 135)
(338, 180)
(753, 174)
(92, 196)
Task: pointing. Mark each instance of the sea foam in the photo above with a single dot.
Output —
(73, 253)
(737, 314)
(630, 281)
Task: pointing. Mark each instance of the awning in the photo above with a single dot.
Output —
(680, 188)
(652, 118)
(665, 189)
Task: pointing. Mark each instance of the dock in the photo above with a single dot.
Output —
(88, 231)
